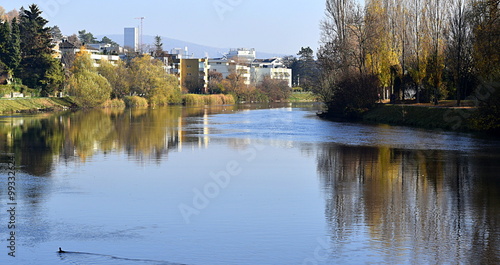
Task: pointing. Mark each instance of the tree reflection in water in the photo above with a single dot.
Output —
(417, 206)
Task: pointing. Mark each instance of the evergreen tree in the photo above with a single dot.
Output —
(86, 37)
(106, 40)
(306, 68)
(56, 33)
(158, 50)
(14, 47)
(38, 68)
(4, 40)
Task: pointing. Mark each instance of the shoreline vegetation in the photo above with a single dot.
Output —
(51, 104)
(422, 116)
(426, 116)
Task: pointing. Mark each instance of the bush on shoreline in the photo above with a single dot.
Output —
(113, 103)
(216, 99)
(135, 101)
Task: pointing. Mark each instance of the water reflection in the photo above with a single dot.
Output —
(383, 204)
(416, 206)
(143, 134)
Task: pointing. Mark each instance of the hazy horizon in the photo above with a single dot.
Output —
(278, 27)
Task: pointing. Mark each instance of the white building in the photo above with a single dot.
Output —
(243, 55)
(107, 48)
(273, 68)
(131, 38)
(67, 48)
(228, 66)
(254, 71)
(181, 53)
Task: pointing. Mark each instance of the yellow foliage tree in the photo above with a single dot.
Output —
(88, 88)
(150, 80)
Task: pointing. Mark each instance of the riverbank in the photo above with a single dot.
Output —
(18, 105)
(428, 117)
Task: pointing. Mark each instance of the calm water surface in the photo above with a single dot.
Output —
(249, 184)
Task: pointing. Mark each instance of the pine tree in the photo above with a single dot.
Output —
(38, 68)
(4, 40)
(14, 47)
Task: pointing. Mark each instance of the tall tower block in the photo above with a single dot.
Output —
(132, 39)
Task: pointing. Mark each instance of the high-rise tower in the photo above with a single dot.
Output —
(131, 39)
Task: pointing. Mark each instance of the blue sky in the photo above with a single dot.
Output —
(277, 26)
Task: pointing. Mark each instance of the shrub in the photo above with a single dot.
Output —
(352, 96)
(227, 99)
(215, 99)
(113, 103)
(192, 99)
(135, 101)
(164, 96)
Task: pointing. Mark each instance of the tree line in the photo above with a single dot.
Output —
(27, 57)
(425, 50)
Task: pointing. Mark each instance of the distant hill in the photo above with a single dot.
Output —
(197, 50)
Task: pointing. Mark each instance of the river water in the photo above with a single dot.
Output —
(247, 184)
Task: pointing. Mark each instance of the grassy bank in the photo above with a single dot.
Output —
(303, 97)
(446, 118)
(34, 104)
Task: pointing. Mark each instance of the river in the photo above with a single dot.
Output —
(245, 184)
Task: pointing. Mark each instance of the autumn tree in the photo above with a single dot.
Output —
(86, 85)
(73, 39)
(118, 77)
(485, 23)
(150, 80)
(214, 82)
(343, 61)
(381, 55)
(274, 89)
(459, 49)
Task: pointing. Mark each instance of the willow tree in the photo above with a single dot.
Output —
(88, 88)
(150, 80)
(118, 77)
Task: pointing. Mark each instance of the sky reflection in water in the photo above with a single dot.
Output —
(302, 190)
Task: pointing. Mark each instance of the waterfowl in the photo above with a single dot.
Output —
(61, 251)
